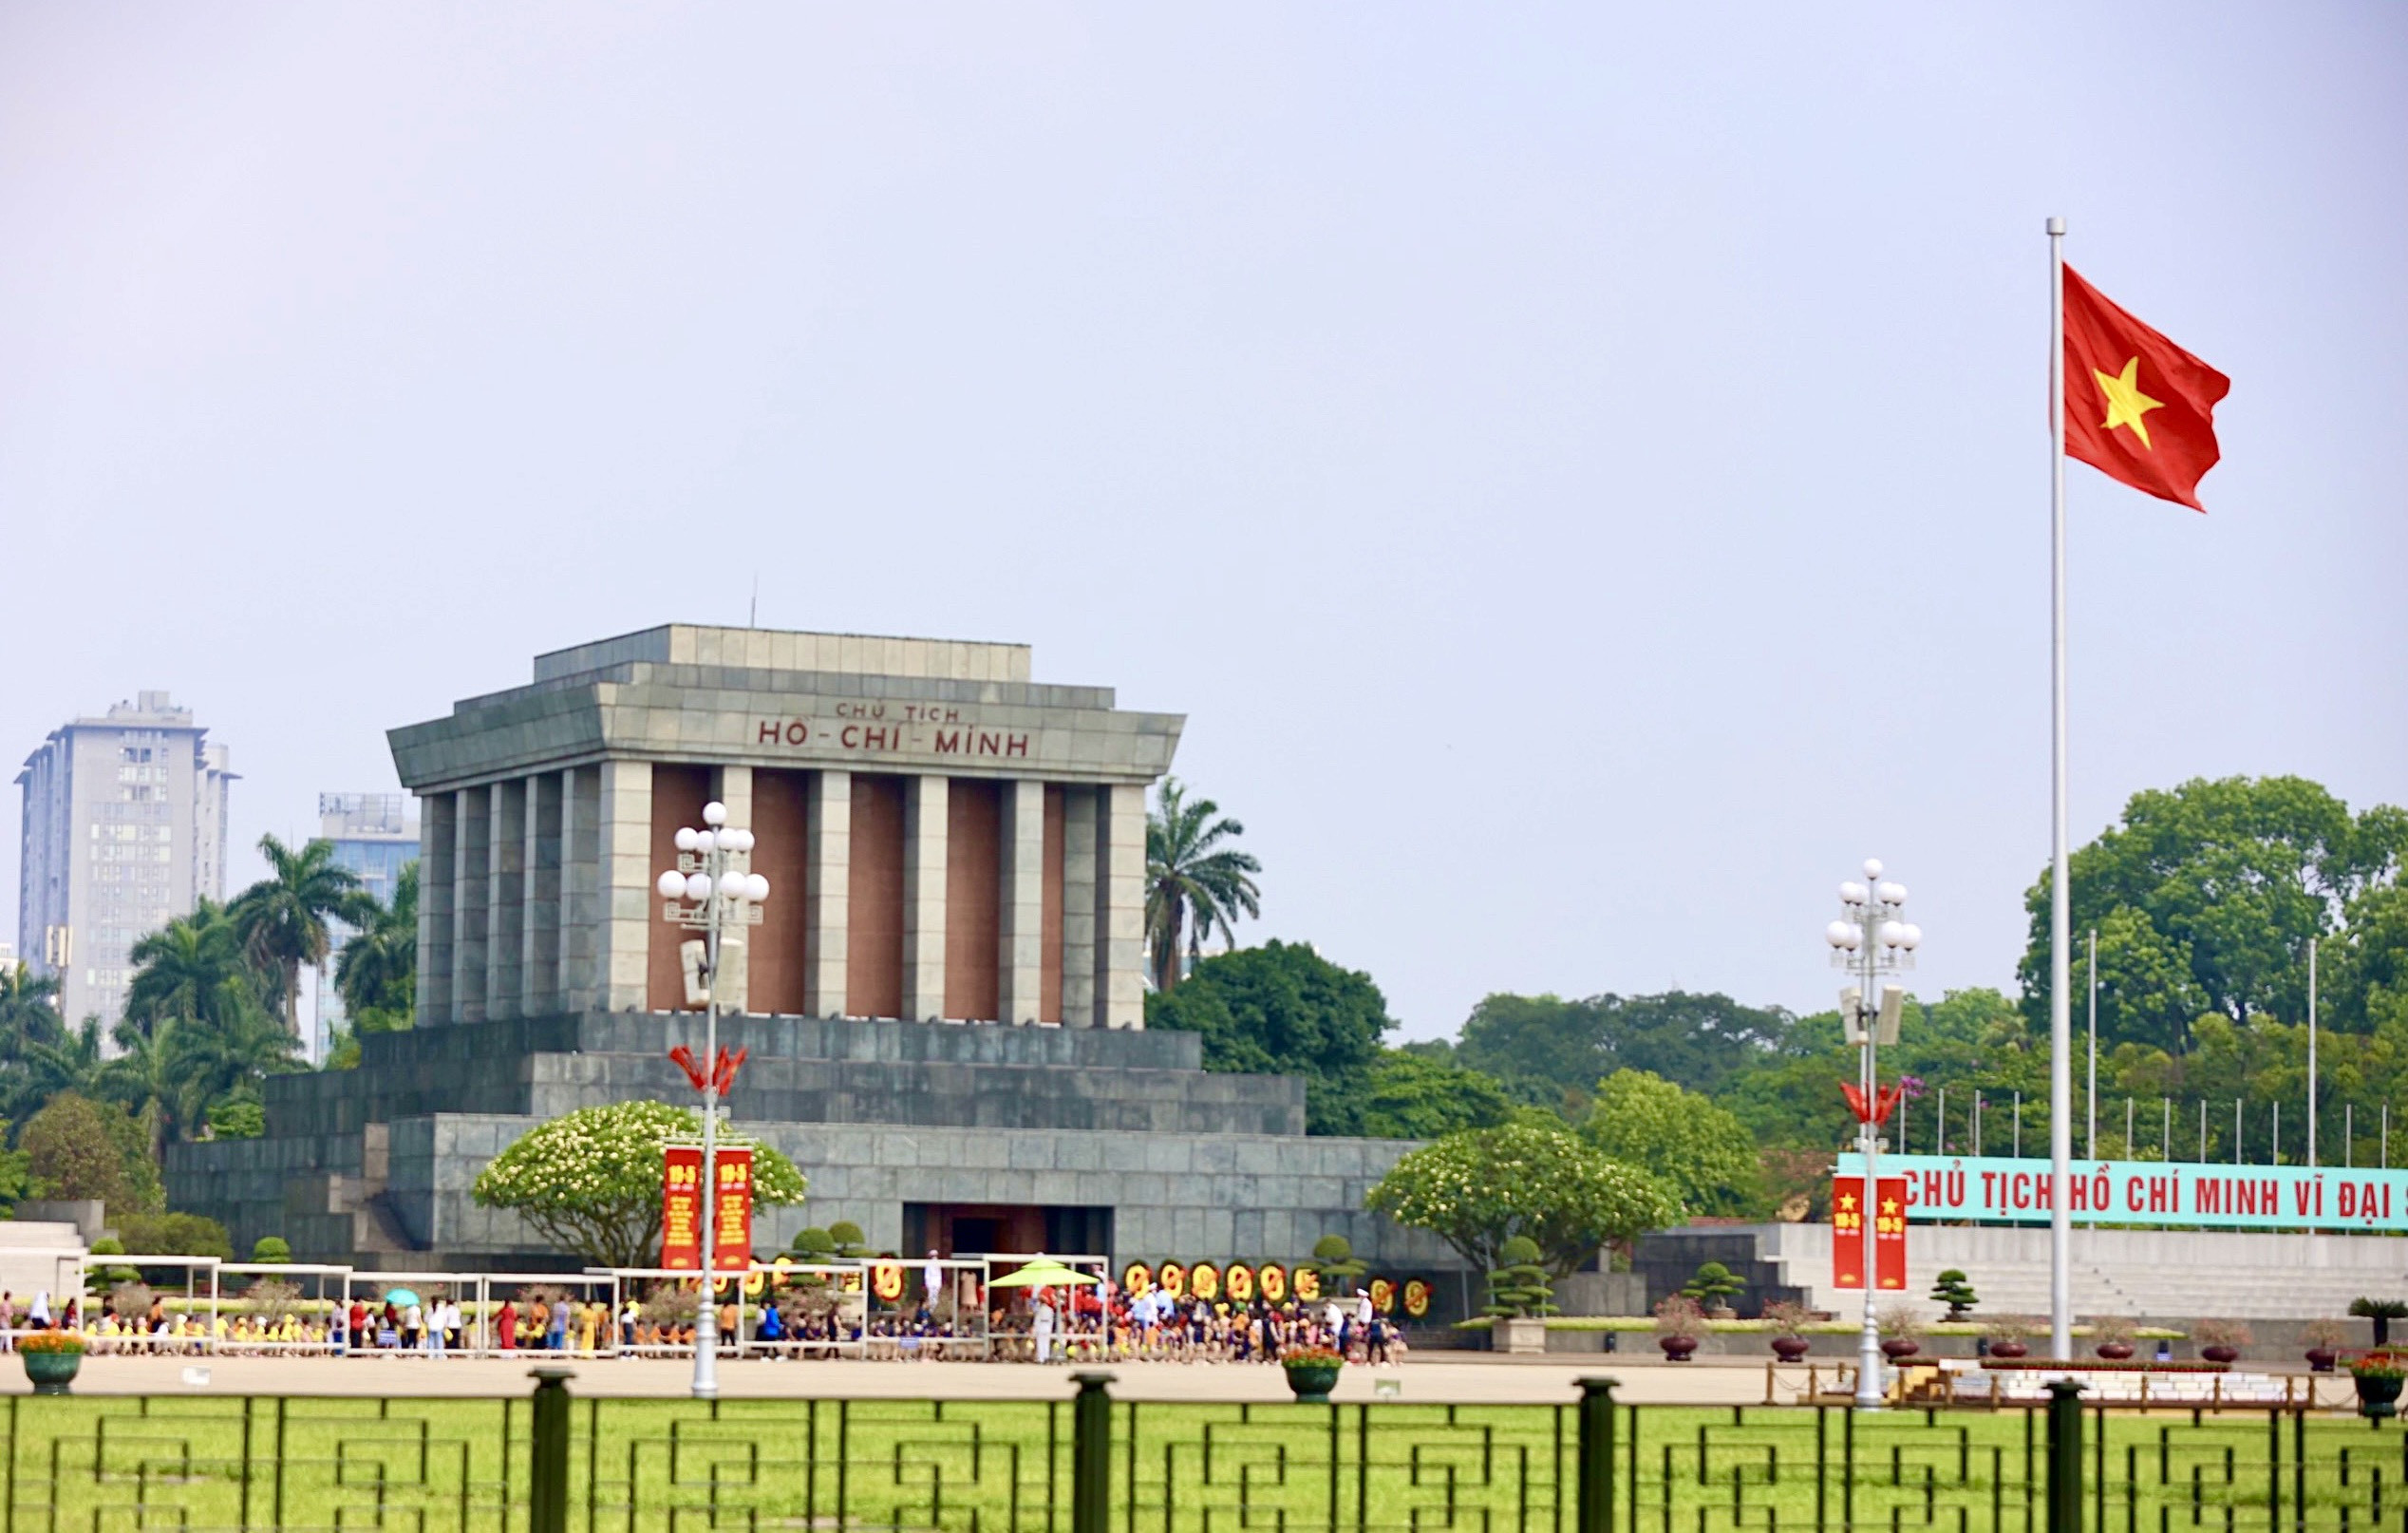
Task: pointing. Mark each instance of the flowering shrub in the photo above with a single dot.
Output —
(48, 1341)
(1309, 1357)
(590, 1181)
(2377, 1365)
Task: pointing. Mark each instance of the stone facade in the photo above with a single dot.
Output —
(958, 842)
(373, 1165)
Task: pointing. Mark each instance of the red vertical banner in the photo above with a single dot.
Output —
(1889, 1234)
(731, 1206)
(682, 1208)
(1848, 1232)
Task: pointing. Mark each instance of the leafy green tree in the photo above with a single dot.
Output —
(283, 917)
(1476, 1190)
(1701, 1151)
(1333, 1257)
(78, 1148)
(847, 1240)
(2205, 896)
(1194, 883)
(272, 1248)
(377, 970)
(1521, 1288)
(1414, 1096)
(1713, 1285)
(590, 1181)
(1282, 1009)
(1553, 1052)
(238, 1117)
(1956, 1290)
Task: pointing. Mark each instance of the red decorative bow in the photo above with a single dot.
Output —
(723, 1075)
(1878, 1110)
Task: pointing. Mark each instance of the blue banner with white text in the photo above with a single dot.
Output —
(2157, 1194)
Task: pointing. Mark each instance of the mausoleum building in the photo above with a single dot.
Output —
(943, 1004)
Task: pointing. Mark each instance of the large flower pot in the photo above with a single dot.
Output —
(1790, 1348)
(2220, 1355)
(2009, 1349)
(2378, 1397)
(2319, 1359)
(1677, 1349)
(1899, 1348)
(52, 1373)
(1311, 1382)
(1525, 1334)
(2114, 1351)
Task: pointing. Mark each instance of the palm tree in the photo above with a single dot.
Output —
(69, 1061)
(182, 970)
(151, 1077)
(1193, 885)
(29, 1011)
(378, 968)
(283, 917)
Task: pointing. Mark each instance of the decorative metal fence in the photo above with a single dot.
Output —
(1092, 1464)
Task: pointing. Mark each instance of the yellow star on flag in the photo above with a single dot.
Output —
(2126, 404)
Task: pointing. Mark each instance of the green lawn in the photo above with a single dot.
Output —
(96, 1463)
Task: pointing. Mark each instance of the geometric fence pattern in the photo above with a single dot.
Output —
(104, 1463)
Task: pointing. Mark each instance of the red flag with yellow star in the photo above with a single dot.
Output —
(2137, 407)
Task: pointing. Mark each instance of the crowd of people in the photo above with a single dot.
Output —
(1092, 1322)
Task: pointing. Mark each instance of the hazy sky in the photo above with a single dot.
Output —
(1581, 471)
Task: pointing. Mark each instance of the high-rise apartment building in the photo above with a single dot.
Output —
(376, 835)
(125, 830)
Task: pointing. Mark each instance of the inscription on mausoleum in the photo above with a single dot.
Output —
(894, 730)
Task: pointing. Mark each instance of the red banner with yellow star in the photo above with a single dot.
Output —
(1847, 1233)
(2137, 407)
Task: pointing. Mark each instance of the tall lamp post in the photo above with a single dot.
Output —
(1870, 941)
(708, 893)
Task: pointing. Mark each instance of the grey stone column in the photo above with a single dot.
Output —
(623, 888)
(1079, 907)
(1022, 901)
(733, 786)
(827, 891)
(1120, 906)
(580, 888)
(435, 854)
(472, 873)
(505, 898)
(539, 946)
(925, 807)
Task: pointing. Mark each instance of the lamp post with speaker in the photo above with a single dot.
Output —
(710, 893)
(1871, 940)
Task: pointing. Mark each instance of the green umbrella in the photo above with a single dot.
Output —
(1044, 1275)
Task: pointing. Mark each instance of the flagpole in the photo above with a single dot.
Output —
(2061, 936)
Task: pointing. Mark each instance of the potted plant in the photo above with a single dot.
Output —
(2220, 1341)
(2324, 1339)
(1520, 1296)
(2382, 1311)
(1952, 1288)
(1313, 1372)
(1900, 1326)
(2005, 1334)
(51, 1358)
(1678, 1320)
(2377, 1375)
(1712, 1287)
(1788, 1320)
(2111, 1337)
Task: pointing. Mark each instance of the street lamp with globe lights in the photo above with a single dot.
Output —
(707, 891)
(1871, 940)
